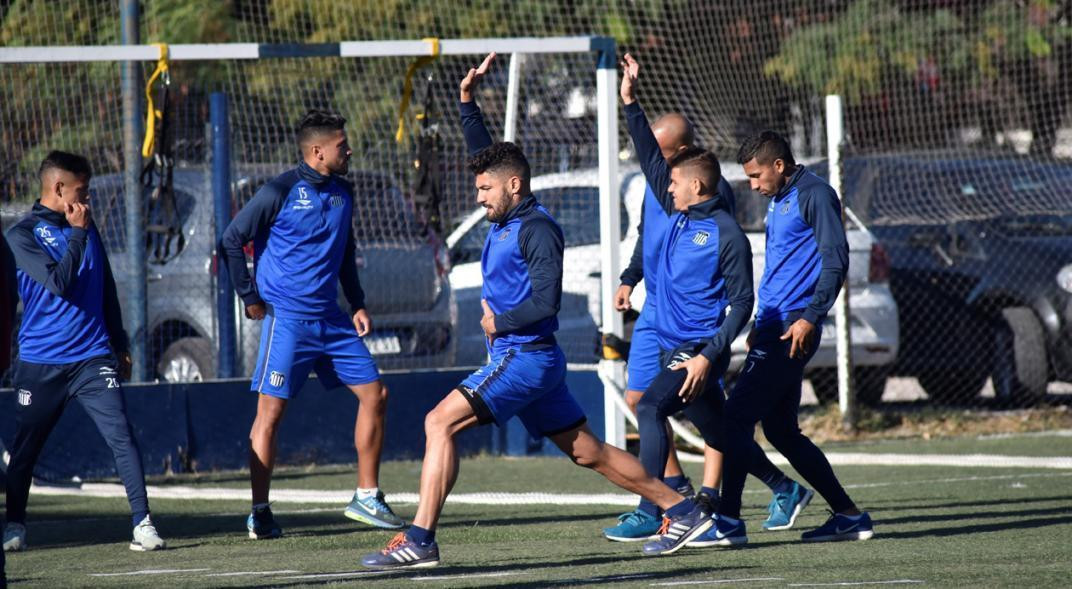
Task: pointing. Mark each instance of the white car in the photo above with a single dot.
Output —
(573, 198)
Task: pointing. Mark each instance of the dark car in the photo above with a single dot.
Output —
(402, 271)
(980, 251)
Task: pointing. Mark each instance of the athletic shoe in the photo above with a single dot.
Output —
(634, 526)
(841, 527)
(261, 525)
(677, 532)
(401, 552)
(785, 507)
(14, 537)
(146, 537)
(373, 511)
(708, 503)
(723, 533)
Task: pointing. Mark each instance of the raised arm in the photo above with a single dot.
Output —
(57, 277)
(655, 168)
(476, 132)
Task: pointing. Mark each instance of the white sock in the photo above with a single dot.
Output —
(366, 493)
(259, 506)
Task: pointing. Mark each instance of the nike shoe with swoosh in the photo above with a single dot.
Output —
(842, 527)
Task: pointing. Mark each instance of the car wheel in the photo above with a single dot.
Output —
(188, 359)
(1021, 370)
(870, 382)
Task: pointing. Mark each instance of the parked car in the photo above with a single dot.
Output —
(980, 265)
(402, 268)
(573, 197)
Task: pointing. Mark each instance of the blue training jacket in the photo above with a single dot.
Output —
(807, 254)
(303, 241)
(704, 265)
(70, 308)
(522, 259)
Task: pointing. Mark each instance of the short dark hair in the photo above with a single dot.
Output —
(68, 162)
(502, 156)
(765, 147)
(702, 161)
(318, 122)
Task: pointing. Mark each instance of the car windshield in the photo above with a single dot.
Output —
(576, 209)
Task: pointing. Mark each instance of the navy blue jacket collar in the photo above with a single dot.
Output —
(797, 175)
(307, 173)
(46, 214)
(527, 204)
(706, 208)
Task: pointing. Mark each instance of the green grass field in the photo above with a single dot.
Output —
(935, 525)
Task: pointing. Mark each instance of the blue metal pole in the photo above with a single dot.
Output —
(135, 312)
(221, 196)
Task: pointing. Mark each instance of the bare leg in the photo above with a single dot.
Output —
(369, 430)
(440, 469)
(262, 445)
(618, 466)
(712, 467)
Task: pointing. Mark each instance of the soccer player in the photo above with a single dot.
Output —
(789, 497)
(806, 261)
(301, 227)
(71, 342)
(522, 291)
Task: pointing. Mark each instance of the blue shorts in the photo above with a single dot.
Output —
(528, 383)
(291, 348)
(643, 352)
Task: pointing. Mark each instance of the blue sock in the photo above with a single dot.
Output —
(709, 491)
(137, 517)
(683, 507)
(420, 536)
(783, 486)
(648, 507)
(675, 481)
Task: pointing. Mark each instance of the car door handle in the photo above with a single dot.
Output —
(153, 277)
(596, 274)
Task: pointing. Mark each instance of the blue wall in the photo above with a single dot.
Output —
(206, 425)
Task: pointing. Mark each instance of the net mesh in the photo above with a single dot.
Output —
(956, 153)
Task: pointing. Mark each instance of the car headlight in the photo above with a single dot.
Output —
(1064, 278)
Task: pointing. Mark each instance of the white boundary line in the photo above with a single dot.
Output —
(149, 572)
(714, 581)
(858, 583)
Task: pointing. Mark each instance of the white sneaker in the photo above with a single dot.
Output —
(14, 537)
(146, 537)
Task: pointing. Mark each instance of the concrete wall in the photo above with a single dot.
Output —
(205, 426)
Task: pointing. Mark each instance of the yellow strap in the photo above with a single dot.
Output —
(407, 88)
(152, 114)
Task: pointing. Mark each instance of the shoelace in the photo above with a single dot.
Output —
(378, 504)
(663, 529)
(398, 540)
(149, 528)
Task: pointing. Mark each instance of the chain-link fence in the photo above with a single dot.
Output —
(955, 162)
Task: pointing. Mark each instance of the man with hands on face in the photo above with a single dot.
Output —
(301, 227)
(71, 342)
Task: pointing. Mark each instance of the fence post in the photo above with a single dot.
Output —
(133, 131)
(221, 198)
(835, 137)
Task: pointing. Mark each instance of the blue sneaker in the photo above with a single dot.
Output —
(373, 511)
(723, 533)
(634, 526)
(677, 532)
(401, 552)
(785, 507)
(842, 527)
(261, 525)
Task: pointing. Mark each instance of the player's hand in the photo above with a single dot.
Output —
(362, 322)
(801, 334)
(126, 364)
(621, 298)
(472, 79)
(77, 214)
(488, 321)
(696, 377)
(630, 73)
(256, 311)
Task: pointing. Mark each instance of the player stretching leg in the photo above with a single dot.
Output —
(522, 291)
(301, 227)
